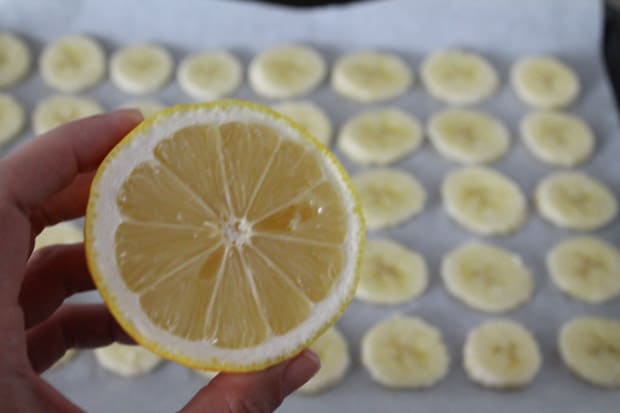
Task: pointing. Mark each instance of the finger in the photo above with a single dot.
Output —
(51, 162)
(53, 274)
(258, 392)
(84, 325)
(68, 203)
(16, 242)
(54, 400)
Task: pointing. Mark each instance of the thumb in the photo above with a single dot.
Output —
(257, 392)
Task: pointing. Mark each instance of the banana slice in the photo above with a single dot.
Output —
(586, 268)
(590, 347)
(484, 201)
(405, 352)
(458, 77)
(12, 118)
(468, 136)
(371, 76)
(148, 108)
(73, 63)
(61, 233)
(575, 200)
(501, 354)
(127, 360)
(208, 374)
(67, 357)
(391, 273)
(544, 82)
(389, 197)
(287, 71)
(57, 110)
(380, 136)
(557, 138)
(310, 116)
(486, 277)
(141, 69)
(15, 59)
(208, 76)
(333, 351)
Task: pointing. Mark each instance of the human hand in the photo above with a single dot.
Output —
(47, 181)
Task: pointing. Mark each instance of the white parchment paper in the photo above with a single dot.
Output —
(502, 30)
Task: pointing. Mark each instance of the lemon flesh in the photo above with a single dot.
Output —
(230, 234)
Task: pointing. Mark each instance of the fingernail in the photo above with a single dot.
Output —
(300, 370)
(135, 114)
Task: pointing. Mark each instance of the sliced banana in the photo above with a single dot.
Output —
(147, 107)
(287, 71)
(590, 347)
(380, 136)
(458, 77)
(310, 116)
(391, 273)
(141, 69)
(501, 354)
(208, 374)
(61, 233)
(15, 59)
(67, 357)
(486, 277)
(405, 352)
(12, 118)
(57, 110)
(371, 76)
(127, 360)
(333, 352)
(468, 136)
(389, 197)
(586, 268)
(208, 76)
(544, 82)
(575, 200)
(557, 138)
(73, 63)
(484, 201)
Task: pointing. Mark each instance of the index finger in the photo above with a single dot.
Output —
(49, 163)
(73, 325)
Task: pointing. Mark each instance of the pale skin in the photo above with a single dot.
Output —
(46, 181)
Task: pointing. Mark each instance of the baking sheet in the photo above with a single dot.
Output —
(502, 30)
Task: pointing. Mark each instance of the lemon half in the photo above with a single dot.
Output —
(222, 236)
